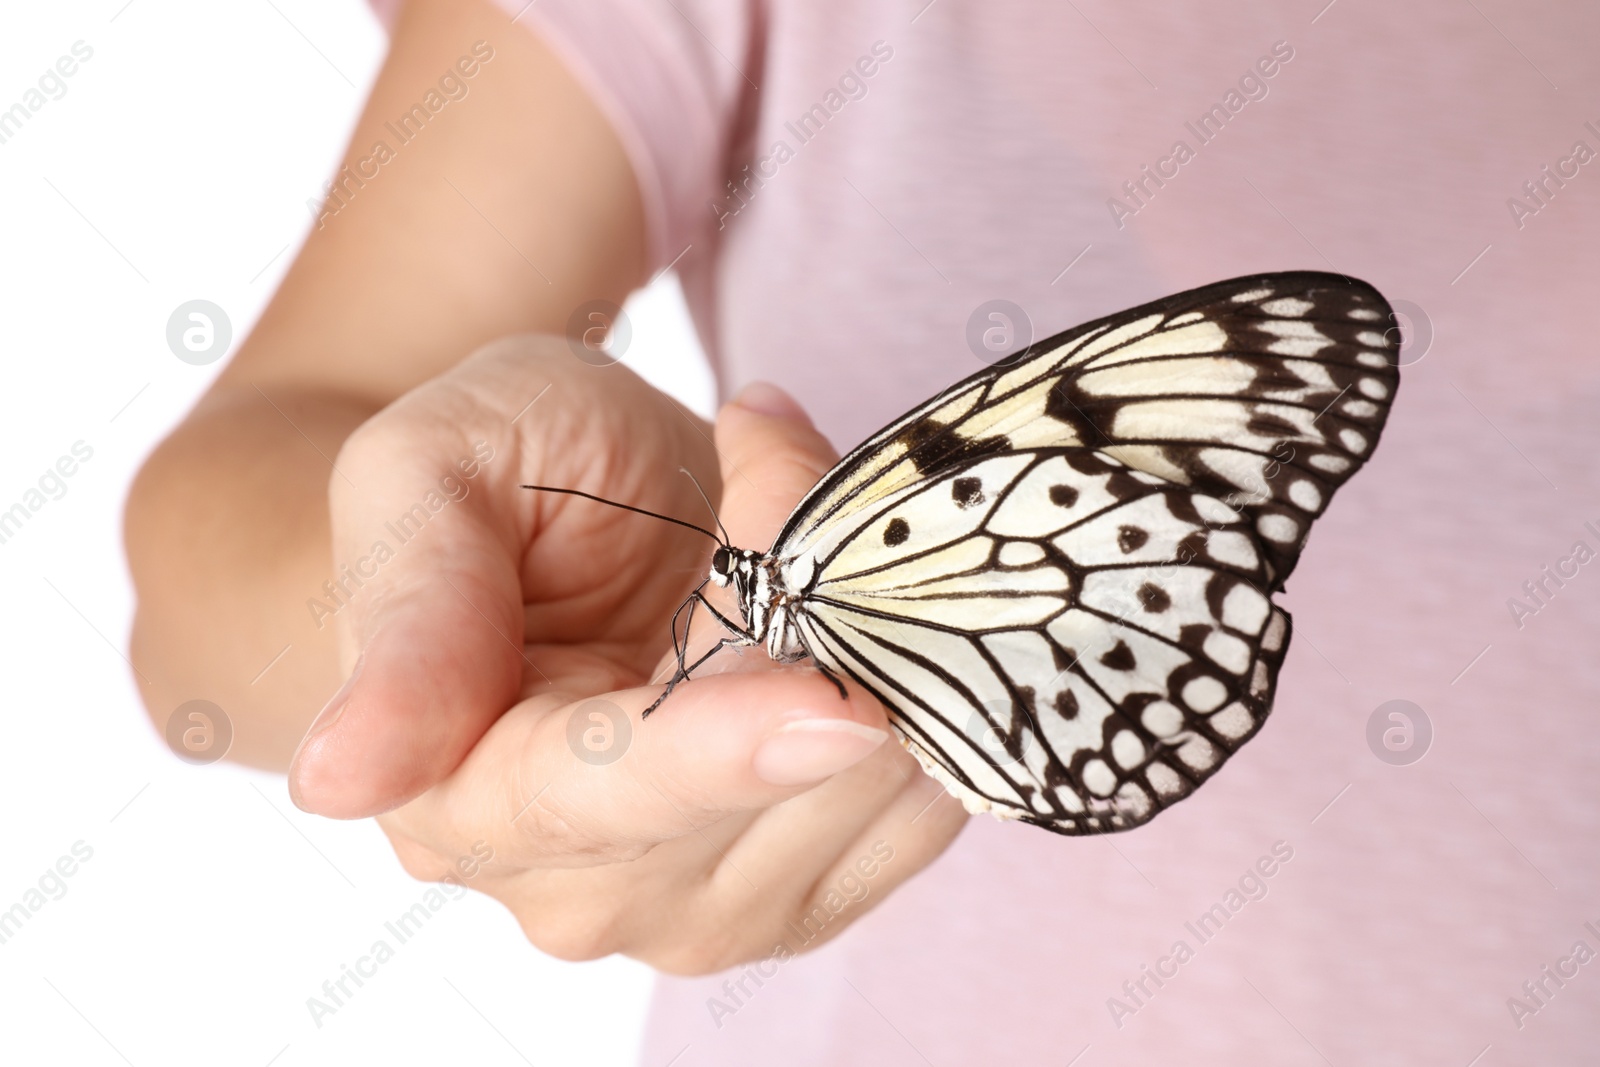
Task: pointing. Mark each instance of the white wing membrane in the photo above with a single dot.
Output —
(1057, 574)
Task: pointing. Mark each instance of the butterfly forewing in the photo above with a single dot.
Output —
(1057, 573)
(1268, 391)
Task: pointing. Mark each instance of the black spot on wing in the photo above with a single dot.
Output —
(935, 447)
(1154, 598)
(1120, 657)
(1065, 403)
(1131, 538)
(967, 492)
(896, 532)
(1067, 704)
(1063, 496)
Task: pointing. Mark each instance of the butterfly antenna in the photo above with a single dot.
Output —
(714, 517)
(630, 507)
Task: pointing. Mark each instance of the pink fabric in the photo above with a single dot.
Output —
(979, 164)
(387, 12)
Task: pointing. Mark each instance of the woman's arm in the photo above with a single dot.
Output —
(489, 643)
(511, 207)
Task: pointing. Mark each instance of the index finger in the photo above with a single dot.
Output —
(590, 782)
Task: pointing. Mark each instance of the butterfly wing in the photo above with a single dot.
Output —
(1057, 574)
(1061, 638)
(1267, 391)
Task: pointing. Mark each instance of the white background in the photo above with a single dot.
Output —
(177, 166)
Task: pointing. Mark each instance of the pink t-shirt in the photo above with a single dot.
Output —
(893, 166)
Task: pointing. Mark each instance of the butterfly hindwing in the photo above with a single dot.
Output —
(1061, 639)
(1057, 574)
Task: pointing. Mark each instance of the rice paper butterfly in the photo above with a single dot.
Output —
(1057, 575)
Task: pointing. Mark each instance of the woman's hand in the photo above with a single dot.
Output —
(754, 809)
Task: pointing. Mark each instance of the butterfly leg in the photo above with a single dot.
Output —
(683, 672)
(728, 623)
(681, 650)
(834, 678)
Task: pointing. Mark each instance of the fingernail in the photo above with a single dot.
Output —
(809, 750)
(764, 398)
(325, 720)
(334, 708)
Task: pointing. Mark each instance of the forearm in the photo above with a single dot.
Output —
(227, 527)
(227, 533)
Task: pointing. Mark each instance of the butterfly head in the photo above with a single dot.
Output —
(735, 565)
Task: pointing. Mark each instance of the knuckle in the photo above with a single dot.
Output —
(561, 824)
(709, 952)
(545, 827)
(714, 932)
(445, 861)
(550, 829)
(569, 937)
(564, 845)
(367, 440)
(416, 859)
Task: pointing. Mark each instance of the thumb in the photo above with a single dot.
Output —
(438, 630)
(771, 457)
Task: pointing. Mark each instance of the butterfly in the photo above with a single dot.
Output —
(1057, 575)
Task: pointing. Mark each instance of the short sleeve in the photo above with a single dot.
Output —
(669, 75)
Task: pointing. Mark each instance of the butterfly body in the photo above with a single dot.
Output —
(1057, 574)
(766, 596)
